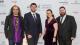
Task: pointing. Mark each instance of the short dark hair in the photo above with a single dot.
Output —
(33, 4)
(62, 7)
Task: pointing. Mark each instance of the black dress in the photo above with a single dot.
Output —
(48, 37)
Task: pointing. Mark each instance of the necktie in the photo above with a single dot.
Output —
(61, 19)
(34, 17)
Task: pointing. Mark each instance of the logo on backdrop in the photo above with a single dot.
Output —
(63, 1)
(14, 1)
(42, 7)
(1, 1)
(76, 2)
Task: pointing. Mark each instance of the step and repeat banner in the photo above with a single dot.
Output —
(72, 8)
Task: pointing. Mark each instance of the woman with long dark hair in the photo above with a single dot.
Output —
(51, 28)
(14, 29)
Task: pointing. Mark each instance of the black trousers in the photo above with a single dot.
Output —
(11, 42)
(65, 42)
(50, 43)
(33, 40)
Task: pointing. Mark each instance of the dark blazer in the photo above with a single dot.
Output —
(8, 27)
(31, 27)
(68, 28)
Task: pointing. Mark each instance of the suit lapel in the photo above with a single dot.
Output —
(31, 17)
(65, 20)
(37, 17)
(11, 20)
(64, 23)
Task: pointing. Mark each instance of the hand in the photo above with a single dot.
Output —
(54, 39)
(29, 36)
(72, 38)
(40, 34)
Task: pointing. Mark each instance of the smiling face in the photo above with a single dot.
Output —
(49, 13)
(33, 7)
(62, 11)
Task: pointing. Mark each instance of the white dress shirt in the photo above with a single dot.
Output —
(33, 14)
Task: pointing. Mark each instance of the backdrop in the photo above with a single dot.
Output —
(72, 8)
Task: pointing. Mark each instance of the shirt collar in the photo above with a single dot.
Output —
(63, 16)
(33, 13)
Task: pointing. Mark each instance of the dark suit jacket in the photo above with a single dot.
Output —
(31, 27)
(68, 28)
(8, 28)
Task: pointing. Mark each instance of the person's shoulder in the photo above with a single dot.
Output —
(69, 16)
(8, 16)
(37, 13)
(58, 17)
(26, 14)
(54, 20)
(21, 17)
(46, 19)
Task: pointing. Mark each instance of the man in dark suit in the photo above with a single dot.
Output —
(33, 27)
(67, 27)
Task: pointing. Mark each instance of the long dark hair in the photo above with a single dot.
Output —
(11, 11)
(51, 12)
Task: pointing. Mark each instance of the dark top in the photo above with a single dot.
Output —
(17, 37)
(49, 29)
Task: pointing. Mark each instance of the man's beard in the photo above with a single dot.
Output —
(62, 14)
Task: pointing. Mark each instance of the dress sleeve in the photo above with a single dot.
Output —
(55, 21)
